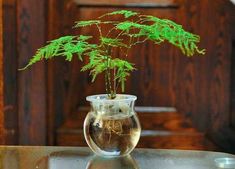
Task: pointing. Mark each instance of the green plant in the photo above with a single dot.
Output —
(123, 34)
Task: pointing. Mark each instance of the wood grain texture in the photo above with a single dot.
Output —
(232, 97)
(10, 71)
(31, 83)
(232, 50)
(2, 122)
(58, 67)
(216, 87)
(128, 3)
(213, 114)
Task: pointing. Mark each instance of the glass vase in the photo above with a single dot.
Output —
(112, 128)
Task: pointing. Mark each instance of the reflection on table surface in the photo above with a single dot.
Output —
(82, 158)
(114, 163)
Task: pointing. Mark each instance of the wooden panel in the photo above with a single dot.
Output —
(2, 127)
(8, 3)
(185, 68)
(220, 69)
(57, 87)
(123, 2)
(10, 71)
(189, 142)
(159, 130)
(128, 3)
(215, 114)
(202, 87)
(171, 121)
(31, 83)
(232, 98)
(232, 84)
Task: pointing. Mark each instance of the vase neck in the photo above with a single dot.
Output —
(120, 106)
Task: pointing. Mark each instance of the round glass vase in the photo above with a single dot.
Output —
(112, 127)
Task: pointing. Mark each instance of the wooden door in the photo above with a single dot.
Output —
(44, 96)
(198, 87)
(153, 82)
(24, 91)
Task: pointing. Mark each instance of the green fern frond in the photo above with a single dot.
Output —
(114, 42)
(123, 68)
(98, 69)
(127, 25)
(84, 37)
(65, 46)
(50, 50)
(125, 13)
(63, 39)
(94, 59)
(97, 63)
(86, 23)
(175, 35)
(164, 29)
(161, 30)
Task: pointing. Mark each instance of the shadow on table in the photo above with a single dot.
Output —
(126, 162)
(84, 160)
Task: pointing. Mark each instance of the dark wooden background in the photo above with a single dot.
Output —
(38, 100)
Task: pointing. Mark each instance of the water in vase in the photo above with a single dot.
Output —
(112, 135)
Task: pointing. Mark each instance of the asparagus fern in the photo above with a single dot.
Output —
(138, 29)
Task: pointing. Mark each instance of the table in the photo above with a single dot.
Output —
(32, 157)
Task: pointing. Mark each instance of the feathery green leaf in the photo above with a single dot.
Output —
(86, 23)
(123, 68)
(113, 42)
(125, 13)
(127, 25)
(137, 30)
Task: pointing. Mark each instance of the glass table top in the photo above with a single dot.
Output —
(32, 157)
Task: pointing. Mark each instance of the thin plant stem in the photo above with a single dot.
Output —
(99, 29)
(106, 83)
(114, 81)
